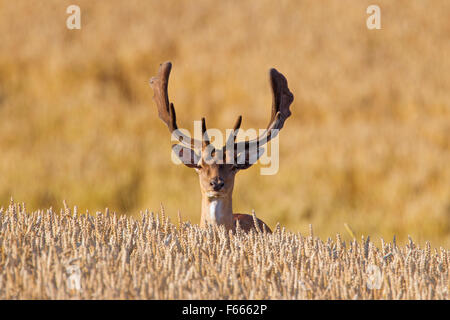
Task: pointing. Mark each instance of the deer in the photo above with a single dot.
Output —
(217, 168)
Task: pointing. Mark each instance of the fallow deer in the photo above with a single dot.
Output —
(217, 168)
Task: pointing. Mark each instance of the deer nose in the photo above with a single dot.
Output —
(217, 184)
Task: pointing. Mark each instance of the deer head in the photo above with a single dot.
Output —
(217, 168)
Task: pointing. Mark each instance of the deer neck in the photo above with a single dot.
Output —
(218, 211)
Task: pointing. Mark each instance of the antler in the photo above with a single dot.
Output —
(166, 110)
(282, 98)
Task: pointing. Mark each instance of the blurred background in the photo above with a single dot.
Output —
(368, 143)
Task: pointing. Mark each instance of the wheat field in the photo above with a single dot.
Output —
(367, 146)
(120, 257)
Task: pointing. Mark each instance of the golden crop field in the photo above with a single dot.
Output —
(368, 142)
(148, 257)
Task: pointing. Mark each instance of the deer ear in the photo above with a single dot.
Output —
(245, 161)
(187, 156)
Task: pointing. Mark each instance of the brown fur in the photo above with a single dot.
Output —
(216, 175)
(246, 222)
